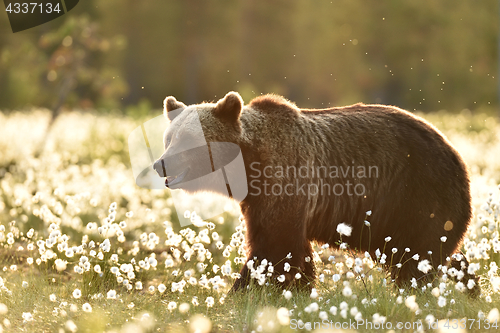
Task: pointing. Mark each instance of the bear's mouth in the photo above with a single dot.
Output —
(173, 180)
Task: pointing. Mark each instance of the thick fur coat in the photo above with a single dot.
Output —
(412, 180)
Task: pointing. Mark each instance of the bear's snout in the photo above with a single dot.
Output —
(159, 167)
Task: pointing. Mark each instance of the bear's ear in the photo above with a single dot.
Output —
(171, 104)
(229, 107)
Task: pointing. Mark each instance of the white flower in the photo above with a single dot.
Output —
(86, 307)
(283, 316)
(281, 278)
(111, 294)
(358, 262)
(441, 301)
(105, 245)
(378, 319)
(424, 266)
(443, 239)
(226, 269)
(298, 276)
(209, 301)
(347, 291)
(473, 267)
(471, 283)
(411, 304)
(369, 213)
(287, 267)
(415, 257)
(314, 306)
(171, 306)
(162, 288)
(287, 294)
(77, 293)
(388, 239)
(314, 293)
(27, 316)
(344, 229)
(169, 263)
(367, 223)
(382, 259)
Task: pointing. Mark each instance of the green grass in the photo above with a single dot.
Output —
(73, 184)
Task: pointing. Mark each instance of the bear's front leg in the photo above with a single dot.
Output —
(283, 244)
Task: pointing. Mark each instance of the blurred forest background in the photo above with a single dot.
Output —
(127, 55)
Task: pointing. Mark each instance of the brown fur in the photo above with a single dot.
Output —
(422, 183)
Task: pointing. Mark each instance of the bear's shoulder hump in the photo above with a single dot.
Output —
(271, 102)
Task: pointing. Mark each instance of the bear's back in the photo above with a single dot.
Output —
(357, 129)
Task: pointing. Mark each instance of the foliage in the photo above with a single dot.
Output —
(63, 63)
(416, 54)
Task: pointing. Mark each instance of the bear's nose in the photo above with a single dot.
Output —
(159, 167)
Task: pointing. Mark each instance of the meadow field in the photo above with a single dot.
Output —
(84, 249)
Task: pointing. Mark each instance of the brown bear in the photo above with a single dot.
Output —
(309, 170)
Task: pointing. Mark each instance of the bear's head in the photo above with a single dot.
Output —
(199, 140)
